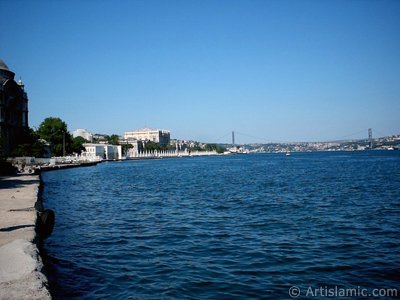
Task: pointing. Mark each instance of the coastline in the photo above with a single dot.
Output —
(21, 266)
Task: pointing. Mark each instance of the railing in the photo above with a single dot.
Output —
(168, 153)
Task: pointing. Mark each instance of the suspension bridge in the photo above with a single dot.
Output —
(234, 137)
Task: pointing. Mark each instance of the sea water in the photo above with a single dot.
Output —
(256, 226)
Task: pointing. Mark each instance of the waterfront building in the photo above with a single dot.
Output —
(83, 133)
(13, 110)
(102, 151)
(159, 136)
(100, 138)
(136, 147)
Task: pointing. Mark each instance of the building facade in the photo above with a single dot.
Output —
(159, 136)
(135, 148)
(13, 110)
(103, 151)
(83, 133)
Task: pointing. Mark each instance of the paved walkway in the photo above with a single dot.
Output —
(20, 263)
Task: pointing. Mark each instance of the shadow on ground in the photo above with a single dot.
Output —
(12, 228)
(7, 183)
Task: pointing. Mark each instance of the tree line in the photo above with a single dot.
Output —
(53, 135)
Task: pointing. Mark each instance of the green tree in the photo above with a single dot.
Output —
(210, 147)
(54, 130)
(215, 147)
(113, 139)
(196, 148)
(77, 144)
(29, 144)
(125, 148)
(151, 146)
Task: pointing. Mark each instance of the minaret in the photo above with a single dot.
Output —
(21, 84)
(25, 108)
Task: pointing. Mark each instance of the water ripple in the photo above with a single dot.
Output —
(234, 227)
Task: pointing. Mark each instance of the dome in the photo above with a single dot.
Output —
(3, 65)
(5, 72)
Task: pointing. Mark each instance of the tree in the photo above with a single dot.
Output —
(54, 131)
(215, 147)
(196, 148)
(113, 139)
(77, 144)
(29, 144)
(151, 146)
(125, 148)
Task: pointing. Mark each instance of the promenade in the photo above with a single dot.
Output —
(20, 263)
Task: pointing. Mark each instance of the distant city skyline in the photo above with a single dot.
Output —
(268, 70)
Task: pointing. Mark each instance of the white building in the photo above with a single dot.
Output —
(103, 151)
(83, 133)
(135, 147)
(159, 136)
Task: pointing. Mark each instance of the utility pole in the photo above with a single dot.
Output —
(63, 143)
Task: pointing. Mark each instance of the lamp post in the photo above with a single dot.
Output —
(63, 143)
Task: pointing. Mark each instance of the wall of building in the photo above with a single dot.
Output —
(104, 151)
(136, 146)
(13, 110)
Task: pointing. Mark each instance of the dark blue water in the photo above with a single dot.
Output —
(231, 227)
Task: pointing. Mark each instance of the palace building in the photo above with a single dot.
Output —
(13, 110)
(159, 136)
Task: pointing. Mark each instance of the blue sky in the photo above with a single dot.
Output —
(269, 70)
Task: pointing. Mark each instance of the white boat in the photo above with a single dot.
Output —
(288, 153)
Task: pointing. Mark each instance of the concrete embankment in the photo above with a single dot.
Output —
(20, 263)
(65, 166)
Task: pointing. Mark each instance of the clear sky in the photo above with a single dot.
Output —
(270, 70)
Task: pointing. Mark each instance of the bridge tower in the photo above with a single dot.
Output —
(370, 138)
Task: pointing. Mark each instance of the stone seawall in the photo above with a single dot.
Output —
(21, 266)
